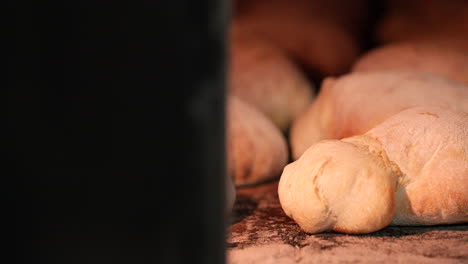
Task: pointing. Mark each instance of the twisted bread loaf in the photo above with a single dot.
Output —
(411, 169)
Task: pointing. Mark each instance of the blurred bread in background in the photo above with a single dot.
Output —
(421, 56)
(263, 76)
(319, 35)
(256, 149)
(438, 21)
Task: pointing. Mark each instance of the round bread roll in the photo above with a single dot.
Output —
(353, 104)
(434, 20)
(411, 169)
(261, 75)
(324, 47)
(256, 149)
(416, 56)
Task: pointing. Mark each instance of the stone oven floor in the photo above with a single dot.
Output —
(261, 233)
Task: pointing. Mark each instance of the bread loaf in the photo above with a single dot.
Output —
(261, 75)
(256, 149)
(353, 104)
(305, 30)
(411, 169)
(428, 57)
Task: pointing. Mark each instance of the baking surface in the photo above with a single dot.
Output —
(261, 233)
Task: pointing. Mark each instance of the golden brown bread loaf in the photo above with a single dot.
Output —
(353, 104)
(256, 149)
(411, 169)
(420, 56)
(307, 30)
(261, 75)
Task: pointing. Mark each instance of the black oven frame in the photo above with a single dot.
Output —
(115, 123)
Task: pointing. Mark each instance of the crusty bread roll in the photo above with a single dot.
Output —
(411, 169)
(416, 56)
(256, 148)
(261, 75)
(353, 104)
(303, 29)
(434, 20)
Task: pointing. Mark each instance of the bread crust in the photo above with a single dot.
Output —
(430, 145)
